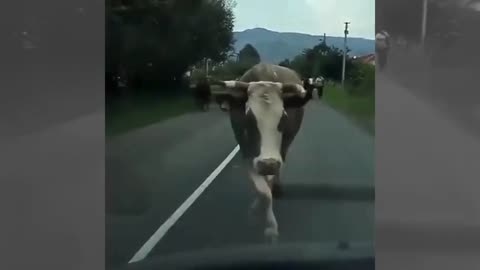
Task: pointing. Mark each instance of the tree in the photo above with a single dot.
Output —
(285, 63)
(249, 55)
(321, 60)
(157, 41)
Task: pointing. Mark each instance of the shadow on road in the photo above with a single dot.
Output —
(328, 192)
(428, 237)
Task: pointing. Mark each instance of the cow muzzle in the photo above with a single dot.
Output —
(268, 166)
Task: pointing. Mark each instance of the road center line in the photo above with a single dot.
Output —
(163, 229)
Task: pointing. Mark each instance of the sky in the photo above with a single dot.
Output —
(307, 16)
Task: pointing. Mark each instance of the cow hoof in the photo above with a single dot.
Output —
(271, 236)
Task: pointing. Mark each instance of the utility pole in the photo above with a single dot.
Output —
(344, 53)
(206, 67)
(424, 22)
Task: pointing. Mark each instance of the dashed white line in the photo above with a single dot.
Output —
(163, 229)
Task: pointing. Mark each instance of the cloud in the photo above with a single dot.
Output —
(308, 16)
(330, 15)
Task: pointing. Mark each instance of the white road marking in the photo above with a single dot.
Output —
(163, 229)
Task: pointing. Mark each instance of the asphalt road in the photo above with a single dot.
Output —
(427, 204)
(52, 196)
(329, 182)
(452, 89)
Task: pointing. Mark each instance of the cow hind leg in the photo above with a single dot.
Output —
(265, 201)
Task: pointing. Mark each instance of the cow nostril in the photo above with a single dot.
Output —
(268, 166)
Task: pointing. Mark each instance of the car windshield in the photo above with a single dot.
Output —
(201, 155)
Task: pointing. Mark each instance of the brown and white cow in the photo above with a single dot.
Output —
(382, 47)
(202, 94)
(266, 112)
(314, 87)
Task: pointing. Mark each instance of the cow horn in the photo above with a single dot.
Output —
(234, 88)
(237, 85)
(293, 89)
(216, 82)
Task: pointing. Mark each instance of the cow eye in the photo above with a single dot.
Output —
(283, 121)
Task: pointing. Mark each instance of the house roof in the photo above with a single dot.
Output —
(367, 58)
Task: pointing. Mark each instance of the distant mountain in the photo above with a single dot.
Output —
(276, 46)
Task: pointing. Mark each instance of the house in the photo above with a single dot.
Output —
(366, 59)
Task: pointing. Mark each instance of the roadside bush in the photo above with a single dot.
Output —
(362, 80)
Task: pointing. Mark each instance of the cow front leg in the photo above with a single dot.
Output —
(255, 208)
(265, 203)
(276, 187)
(255, 211)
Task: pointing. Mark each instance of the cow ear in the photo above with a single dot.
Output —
(237, 89)
(294, 95)
(295, 101)
(283, 121)
(292, 90)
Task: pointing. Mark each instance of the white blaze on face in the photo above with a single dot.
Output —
(266, 104)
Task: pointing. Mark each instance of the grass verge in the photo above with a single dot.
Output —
(126, 114)
(361, 109)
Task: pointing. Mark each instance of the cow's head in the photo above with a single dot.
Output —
(265, 117)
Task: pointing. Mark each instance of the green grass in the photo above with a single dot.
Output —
(361, 109)
(127, 114)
